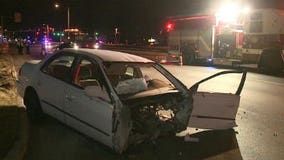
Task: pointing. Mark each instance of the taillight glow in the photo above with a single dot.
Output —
(169, 26)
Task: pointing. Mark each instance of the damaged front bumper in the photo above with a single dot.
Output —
(148, 115)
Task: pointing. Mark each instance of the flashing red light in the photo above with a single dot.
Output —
(169, 26)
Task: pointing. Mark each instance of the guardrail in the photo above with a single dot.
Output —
(155, 53)
(138, 48)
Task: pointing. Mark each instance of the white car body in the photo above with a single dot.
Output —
(111, 114)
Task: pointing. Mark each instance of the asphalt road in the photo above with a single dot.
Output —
(259, 134)
(260, 116)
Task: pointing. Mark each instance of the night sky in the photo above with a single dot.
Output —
(130, 16)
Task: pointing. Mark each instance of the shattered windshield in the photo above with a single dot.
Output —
(131, 78)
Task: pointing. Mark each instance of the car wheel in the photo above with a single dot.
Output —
(32, 102)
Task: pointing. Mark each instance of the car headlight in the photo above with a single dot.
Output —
(96, 46)
(75, 46)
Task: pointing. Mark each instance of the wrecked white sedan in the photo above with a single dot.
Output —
(120, 99)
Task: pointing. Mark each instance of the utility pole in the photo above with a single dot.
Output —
(68, 17)
(2, 25)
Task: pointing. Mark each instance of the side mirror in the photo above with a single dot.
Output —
(97, 91)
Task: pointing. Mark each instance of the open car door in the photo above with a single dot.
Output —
(215, 110)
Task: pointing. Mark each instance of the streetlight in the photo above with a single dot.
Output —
(115, 34)
(2, 26)
(68, 14)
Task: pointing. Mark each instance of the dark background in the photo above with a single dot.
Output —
(131, 17)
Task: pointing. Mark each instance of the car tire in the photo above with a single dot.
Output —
(32, 102)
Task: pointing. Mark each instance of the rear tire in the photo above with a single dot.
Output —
(32, 102)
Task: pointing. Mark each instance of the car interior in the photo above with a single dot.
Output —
(85, 76)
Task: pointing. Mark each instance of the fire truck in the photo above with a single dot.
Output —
(214, 39)
(263, 31)
(200, 38)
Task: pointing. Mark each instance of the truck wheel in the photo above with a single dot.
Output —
(266, 65)
(32, 102)
(185, 59)
(260, 64)
(270, 61)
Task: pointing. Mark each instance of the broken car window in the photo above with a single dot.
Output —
(131, 78)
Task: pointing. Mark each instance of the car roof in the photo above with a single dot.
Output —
(110, 56)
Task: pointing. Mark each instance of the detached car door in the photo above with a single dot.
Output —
(91, 115)
(215, 110)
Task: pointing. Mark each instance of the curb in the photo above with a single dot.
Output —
(250, 69)
(19, 147)
(18, 150)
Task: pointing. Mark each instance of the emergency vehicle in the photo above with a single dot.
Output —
(215, 38)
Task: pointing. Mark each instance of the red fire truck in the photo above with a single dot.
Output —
(201, 39)
(208, 38)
